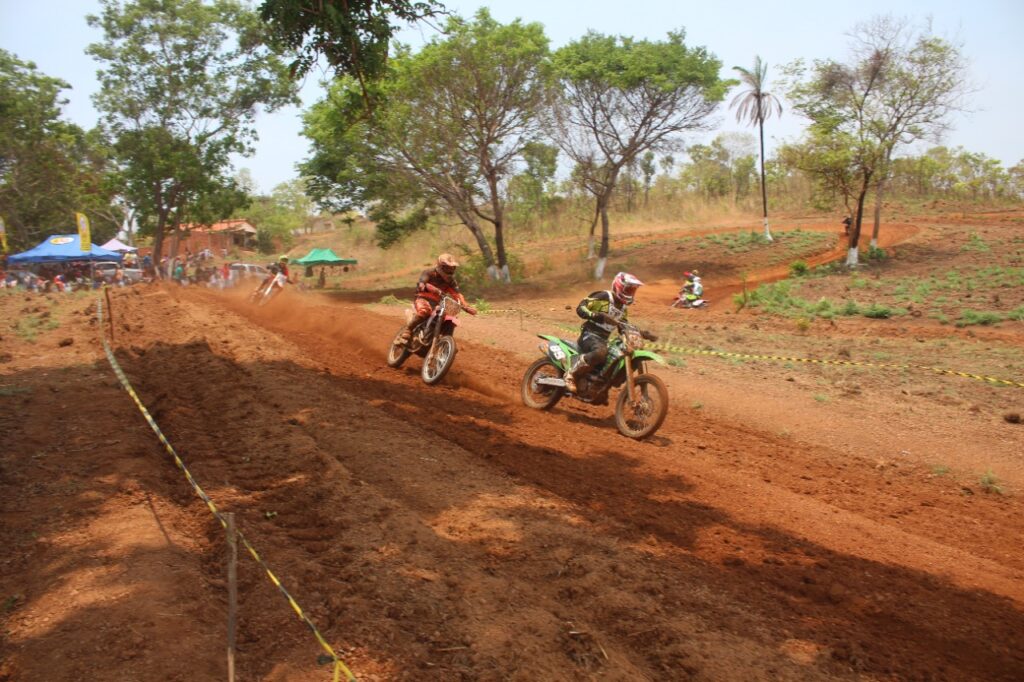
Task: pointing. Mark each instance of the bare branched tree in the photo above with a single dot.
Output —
(900, 85)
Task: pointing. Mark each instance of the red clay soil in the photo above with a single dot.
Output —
(448, 532)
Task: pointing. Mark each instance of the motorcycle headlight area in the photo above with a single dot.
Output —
(634, 341)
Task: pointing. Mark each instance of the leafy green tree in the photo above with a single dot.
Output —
(352, 35)
(447, 128)
(755, 105)
(899, 86)
(830, 160)
(621, 97)
(49, 167)
(528, 191)
(1016, 180)
(721, 169)
(279, 215)
(180, 87)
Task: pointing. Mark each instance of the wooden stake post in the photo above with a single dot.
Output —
(232, 593)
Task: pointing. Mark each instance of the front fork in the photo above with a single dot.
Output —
(433, 341)
(630, 386)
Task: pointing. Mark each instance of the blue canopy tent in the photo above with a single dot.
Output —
(62, 248)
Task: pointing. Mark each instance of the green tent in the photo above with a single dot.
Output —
(324, 257)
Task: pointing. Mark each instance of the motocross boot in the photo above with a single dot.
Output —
(576, 367)
(406, 336)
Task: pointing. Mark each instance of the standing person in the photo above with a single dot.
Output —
(321, 282)
(601, 311)
(434, 283)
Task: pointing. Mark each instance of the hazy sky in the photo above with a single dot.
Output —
(54, 35)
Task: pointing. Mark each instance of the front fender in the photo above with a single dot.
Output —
(639, 355)
(649, 355)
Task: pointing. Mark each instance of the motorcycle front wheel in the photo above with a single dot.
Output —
(439, 360)
(539, 396)
(397, 353)
(641, 419)
(266, 297)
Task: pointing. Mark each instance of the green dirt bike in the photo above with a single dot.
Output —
(639, 410)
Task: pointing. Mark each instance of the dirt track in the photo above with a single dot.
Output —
(449, 533)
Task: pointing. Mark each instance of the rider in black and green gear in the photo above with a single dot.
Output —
(601, 311)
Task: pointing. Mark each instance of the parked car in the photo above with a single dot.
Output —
(248, 270)
(107, 268)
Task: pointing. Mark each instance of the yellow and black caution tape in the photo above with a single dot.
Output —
(816, 361)
(852, 363)
(339, 665)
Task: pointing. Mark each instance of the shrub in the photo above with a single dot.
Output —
(990, 483)
(1016, 314)
(798, 268)
(391, 299)
(879, 312)
(875, 253)
(971, 317)
(473, 271)
(850, 308)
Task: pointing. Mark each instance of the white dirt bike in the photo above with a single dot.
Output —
(268, 289)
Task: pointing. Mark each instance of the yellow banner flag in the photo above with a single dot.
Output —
(84, 237)
(3, 235)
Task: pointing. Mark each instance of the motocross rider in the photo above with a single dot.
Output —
(600, 311)
(281, 266)
(693, 288)
(434, 283)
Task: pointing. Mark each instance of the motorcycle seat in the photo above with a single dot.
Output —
(571, 344)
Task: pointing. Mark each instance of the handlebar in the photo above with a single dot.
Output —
(446, 300)
(626, 327)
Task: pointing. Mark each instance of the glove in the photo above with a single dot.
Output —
(469, 309)
(649, 336)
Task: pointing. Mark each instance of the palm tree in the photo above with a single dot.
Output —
(755, 105)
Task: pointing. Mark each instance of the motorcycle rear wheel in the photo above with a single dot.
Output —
(541, 397)
(438, 360)
(398, 352)
(641, 420)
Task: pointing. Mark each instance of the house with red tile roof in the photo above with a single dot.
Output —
(218, 237)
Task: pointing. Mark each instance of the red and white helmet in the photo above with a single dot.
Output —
(624, 288)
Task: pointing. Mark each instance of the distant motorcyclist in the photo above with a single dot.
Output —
(601, 312)
(282, 266)
(434, 283)
(273, 270)
(693, 287)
